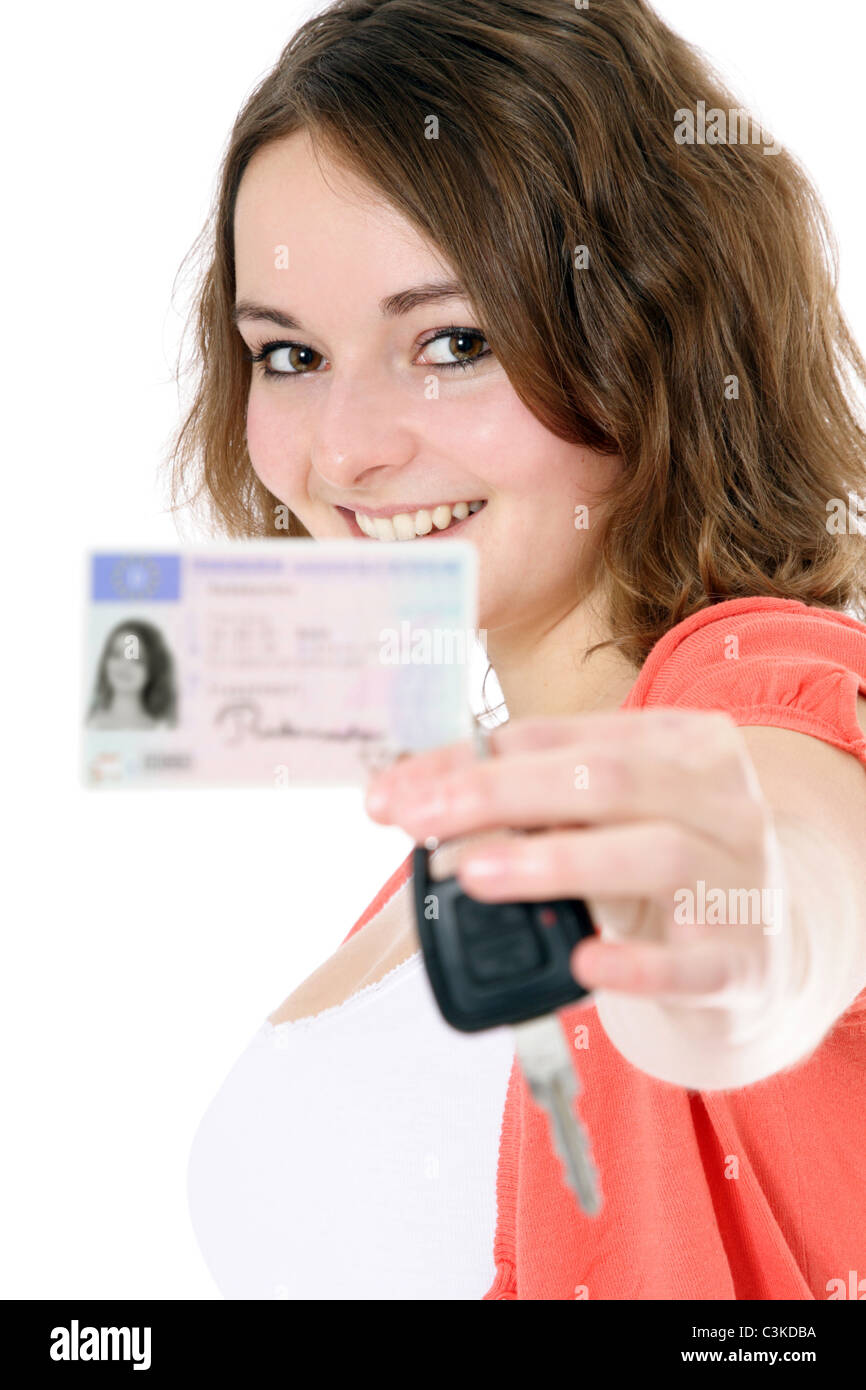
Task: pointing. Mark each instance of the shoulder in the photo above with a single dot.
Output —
(765, 661)
(750, 631)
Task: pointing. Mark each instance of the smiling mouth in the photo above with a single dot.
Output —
(427, 523)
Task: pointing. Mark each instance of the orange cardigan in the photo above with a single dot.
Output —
(676, 1223)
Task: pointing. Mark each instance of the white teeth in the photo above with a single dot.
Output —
(405, 526)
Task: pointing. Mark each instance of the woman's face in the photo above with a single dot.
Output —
(368, 415)
(125, 666)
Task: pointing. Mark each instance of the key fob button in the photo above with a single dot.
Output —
(495, 963)
(503, 955)
(478, 919)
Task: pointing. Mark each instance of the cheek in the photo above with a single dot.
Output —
(526, 461)
(548, 475)
(269, 445)
(124, 675)
(500, 439)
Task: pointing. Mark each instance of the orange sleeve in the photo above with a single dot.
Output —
(397, 879)
(765, 661)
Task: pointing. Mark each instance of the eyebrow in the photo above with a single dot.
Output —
(393, 305)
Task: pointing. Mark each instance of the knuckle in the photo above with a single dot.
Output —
(643, 974)
(670, 717)
(614, 776)
(721, 723)
(722, 738)
(672, 858)
(712, 746)
(484, 787)
(560, 857)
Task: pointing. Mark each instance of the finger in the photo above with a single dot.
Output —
(585, 784)
(652, 859)
(709, 974)
(697, 740)
(444, 859)
(410, 771)
(616, 726)
(670, 729)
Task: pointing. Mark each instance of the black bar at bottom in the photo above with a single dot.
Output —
(157, 1339)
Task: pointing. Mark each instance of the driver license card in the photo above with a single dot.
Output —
(275, 663)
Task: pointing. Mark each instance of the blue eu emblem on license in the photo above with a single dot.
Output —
(148, 578)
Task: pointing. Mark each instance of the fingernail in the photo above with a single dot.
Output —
(484, 867)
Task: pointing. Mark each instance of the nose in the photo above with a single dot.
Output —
(363, 433)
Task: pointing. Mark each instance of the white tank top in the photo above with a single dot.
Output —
(353, 1155)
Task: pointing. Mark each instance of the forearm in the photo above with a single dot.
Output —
(828, 928)
(819, 966)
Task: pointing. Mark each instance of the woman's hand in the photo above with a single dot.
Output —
(655, 818)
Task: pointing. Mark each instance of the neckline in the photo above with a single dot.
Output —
(359, 997)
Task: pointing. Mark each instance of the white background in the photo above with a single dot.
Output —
(146, 936)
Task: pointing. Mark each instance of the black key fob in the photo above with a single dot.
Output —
(495, 963)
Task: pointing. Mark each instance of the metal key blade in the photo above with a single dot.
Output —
(546, 1064)
(572, 1145)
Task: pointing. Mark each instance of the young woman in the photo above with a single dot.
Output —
(134, 686)
(472, 271)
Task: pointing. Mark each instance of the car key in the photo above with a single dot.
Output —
(508, 963)
(546, 1063)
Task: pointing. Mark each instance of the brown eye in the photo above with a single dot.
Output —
(290, 359)
(465, 346)
(286, 359)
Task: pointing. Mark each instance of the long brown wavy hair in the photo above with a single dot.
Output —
(703, 341)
